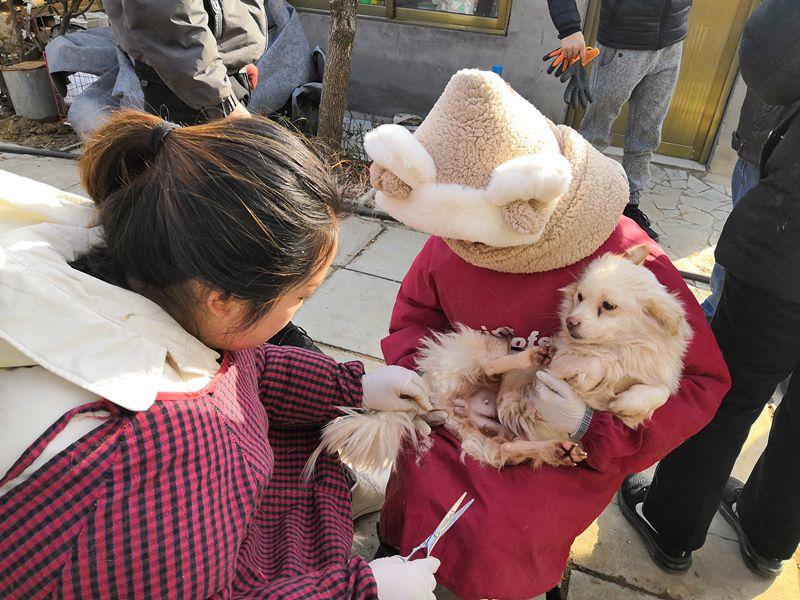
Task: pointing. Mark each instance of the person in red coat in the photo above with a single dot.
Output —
(517, 206)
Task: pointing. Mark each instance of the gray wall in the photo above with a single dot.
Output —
(404, 68)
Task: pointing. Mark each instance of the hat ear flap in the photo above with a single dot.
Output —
(395, 149)
(528, 188)
(541, 178)
(387, 182)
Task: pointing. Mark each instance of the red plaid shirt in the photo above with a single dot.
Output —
(189, 500)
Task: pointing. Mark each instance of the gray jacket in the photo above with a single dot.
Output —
(193, 45)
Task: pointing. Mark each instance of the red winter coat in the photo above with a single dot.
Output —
(515, 540)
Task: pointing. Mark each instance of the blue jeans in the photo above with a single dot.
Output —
(744, 178)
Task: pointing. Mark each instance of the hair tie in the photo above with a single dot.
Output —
(159, 134)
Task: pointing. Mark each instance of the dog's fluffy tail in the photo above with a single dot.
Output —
(365, 440)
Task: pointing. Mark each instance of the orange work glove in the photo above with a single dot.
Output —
(561, 63)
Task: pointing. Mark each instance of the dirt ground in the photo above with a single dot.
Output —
(35, 134)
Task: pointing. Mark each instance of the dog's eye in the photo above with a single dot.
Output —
(580, 297)
(608, 306)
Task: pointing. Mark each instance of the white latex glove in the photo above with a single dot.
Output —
(395, 388)
(398, 580)
(557, 403)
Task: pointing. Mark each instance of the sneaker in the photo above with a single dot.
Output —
(765, 567)
(366, 493)
(631, 498)
(633, 212)
(292, 335)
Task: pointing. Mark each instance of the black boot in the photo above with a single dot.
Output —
(633, 212)
(633, 491)
(728, 508)
(292, 335)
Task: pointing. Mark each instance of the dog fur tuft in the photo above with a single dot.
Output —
(365, 440)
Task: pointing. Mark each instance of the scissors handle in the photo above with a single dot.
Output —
(408, 556)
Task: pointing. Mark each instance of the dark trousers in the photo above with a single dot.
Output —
(160, 100)
(759, 335)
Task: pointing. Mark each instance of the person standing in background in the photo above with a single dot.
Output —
(756, 121)
(756, 325)
(190, 55)
(640, 55)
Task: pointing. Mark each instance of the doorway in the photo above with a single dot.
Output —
(708, 70)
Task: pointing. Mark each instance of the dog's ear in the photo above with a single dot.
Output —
(637, 254)
(666, 312)
(568, 292)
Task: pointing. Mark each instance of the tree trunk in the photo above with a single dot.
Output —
(337, 71)
(69, 12)
(19, 42)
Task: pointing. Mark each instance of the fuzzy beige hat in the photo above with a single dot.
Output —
(506, 188)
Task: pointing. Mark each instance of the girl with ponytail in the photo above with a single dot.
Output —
(151, 442)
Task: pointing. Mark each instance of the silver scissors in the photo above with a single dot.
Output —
(453, 515)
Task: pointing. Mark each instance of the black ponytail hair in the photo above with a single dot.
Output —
(242, 206)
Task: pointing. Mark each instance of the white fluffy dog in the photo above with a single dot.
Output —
(621, 348)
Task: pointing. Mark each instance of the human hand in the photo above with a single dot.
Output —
(574, 45)
(481, 410)
(556, 403)
(395, 388)
(251, 71)
(239, 112)
(399, 580)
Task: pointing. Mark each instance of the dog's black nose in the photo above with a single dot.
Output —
(572, 323)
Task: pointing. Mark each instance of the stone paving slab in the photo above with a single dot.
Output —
(355, 233)
(58, 172)
(688, 211)
(391, 254)
(612, 549)
(718, 572)
(350, 311)
(699, 262)
(78, 190)
(370, 364)
(583, 586)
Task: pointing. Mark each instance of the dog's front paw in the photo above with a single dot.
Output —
(566, 453)
(633, 421)
(638, 403)
(556, 453)
(492, 367)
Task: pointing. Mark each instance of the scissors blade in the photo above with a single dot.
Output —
(432, 541)
(443, 523)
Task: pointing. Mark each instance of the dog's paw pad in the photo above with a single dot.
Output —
(577, 454)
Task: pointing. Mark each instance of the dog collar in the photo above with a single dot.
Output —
(584, 426)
